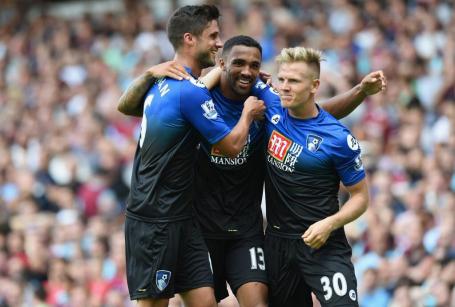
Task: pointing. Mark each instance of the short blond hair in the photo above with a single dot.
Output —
(310, 56)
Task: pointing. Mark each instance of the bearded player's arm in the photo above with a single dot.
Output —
(132, 100)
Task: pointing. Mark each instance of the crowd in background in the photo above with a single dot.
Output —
(66, 152)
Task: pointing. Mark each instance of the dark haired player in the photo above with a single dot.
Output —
(229, 190)
(165, 251)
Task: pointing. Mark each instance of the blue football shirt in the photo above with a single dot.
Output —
(229, 190)
(306, 160)
(176, 114)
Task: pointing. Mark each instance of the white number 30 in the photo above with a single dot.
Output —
(339, 285)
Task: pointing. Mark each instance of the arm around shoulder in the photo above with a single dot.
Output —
(132, 100)
(212, 78)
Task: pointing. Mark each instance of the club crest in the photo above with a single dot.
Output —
(162, 279)
(313, 142)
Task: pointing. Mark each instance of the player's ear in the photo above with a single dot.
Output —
(221, 63)
(189, 39)
(315, 85)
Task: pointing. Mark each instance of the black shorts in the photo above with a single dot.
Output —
(165, 258)
(294, 269)
(236, 261)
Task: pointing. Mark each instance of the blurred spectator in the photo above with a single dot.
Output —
(371, 292)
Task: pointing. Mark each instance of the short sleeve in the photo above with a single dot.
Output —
(347, 159)
(271, 100)
(266, 93)
(198, 108)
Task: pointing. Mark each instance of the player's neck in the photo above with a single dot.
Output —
(305, 111)
(189, 61)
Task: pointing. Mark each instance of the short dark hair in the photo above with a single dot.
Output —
(190, 19)
(240, 40)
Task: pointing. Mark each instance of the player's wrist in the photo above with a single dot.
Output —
(248, 115)
(150, 74)
(362, 91)
(331, 223)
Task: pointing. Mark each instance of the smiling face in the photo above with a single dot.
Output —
(240, 69)
(297, 85)
(208, 44)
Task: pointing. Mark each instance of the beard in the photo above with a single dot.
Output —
(205, 59)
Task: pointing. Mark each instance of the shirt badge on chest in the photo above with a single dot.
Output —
(313, 142)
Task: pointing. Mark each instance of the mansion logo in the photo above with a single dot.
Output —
(282, 152)
(217, 157)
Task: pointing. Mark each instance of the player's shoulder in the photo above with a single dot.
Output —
(193, 88)
(267, 93)
(194, 84)
(341, 134)
(166, 86)
(336, 126)
(191, 84)
(261, 86)
(346, 140)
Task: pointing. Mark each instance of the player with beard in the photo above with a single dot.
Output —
(229, 190)
(165, 251)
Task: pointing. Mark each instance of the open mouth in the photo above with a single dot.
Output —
(244, 83)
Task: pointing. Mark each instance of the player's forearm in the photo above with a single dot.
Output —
(234, 142)
(132, 100)
(350, 211)
(342, 105)
(212, 79)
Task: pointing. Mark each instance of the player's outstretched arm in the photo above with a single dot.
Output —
(233, 143)
(132, 100)
(342, 105)
(318, 233)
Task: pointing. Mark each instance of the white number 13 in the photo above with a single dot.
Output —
(257, 258)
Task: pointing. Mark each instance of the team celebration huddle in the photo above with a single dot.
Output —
(208, 148)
